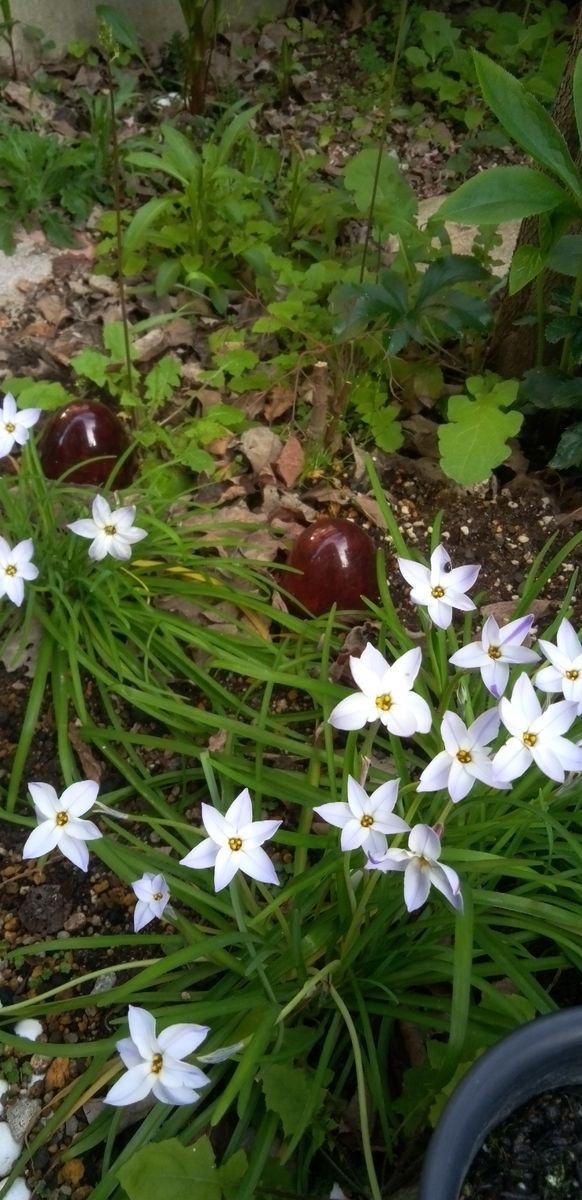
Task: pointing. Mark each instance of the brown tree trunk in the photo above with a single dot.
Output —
(513, 349)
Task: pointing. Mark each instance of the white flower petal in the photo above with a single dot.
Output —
(142, 1027)
(435, 776)
(257, 864)
(240, 811)
(228, 862)
(79, 797)
(45, 798)
(42, 840)
(135, 1085)
(336, 813)
(74, 850)
(510, 762)
(353, 712)
(203, 855)
(416, 885)
(84, 528)
(182, 1040)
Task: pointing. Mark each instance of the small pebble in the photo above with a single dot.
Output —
(29, 1029)
(9, 1149)
(22, 1115)
(104, 983)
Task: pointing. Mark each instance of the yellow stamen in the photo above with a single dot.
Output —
(9, 427)
(384, 702)
(235, 843)
(572, 674)
(494, 652)
(437, 592)
(157, 896)
(62, 818)
(157, 1063)
(530, 739)
(464, 756)
(10, 569)
(366, 821)
(110, 530)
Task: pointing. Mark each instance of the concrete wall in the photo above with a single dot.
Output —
(155, 20)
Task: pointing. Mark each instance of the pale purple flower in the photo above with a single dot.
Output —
(440, 588)
(465, 757)
(234, 843)
(152, 897)
(15, 424)
(497, 651)
(365, 820)
(62, 825)
(385, 695)
(16, 568)
(154, 1062)
(565, 673)
(536, 736)
(421, 869)
(112, 530)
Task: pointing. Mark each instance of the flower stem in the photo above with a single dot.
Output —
(361, 1086)
(240, 918)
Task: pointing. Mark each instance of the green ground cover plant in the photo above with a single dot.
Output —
(302, 961)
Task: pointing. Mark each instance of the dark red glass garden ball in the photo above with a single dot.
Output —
(79, 433)
(338, 561)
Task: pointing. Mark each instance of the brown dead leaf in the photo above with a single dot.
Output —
(31, 101)
(370, 508)
(217, 741)
(280, 401)
(261, 446)
(502, 609)
(155, 342)
(91, 768)
(290, 462)
(52, 309)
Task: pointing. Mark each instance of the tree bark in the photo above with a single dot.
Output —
(513, 349)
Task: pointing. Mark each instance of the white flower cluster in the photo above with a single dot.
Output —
(386, 695)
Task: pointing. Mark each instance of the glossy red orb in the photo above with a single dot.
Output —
(79, 433)
(338, 561)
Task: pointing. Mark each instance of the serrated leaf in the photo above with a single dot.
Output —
(163, 379)
(387, 429)
(169, 1168)
(475, 439)
(33, 394)
(91, 364)
(287, 1091)
(395, 204)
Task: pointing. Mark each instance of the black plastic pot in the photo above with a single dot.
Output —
(544, 1054)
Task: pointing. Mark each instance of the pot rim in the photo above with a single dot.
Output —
(544, 1054)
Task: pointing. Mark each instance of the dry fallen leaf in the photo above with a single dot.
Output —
(261, 446)
(290, 462)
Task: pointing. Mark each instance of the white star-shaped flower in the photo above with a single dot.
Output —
(440, 588)
(385, 694)
(15, 569)
(497, 651)
(565, 673)
(62, 825)
(152, 897)
(421, 869)
(536, 736)
(113, 530)
(154, 1062)
(465, 757)
(365, 820)
(15, 424)
(234, 843)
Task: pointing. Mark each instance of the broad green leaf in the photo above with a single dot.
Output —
(31, 393)
(287, 1092)
(474, 440)
(526, 264)
(502, 194)
(145, 217)
(569, 451)
(114, 340)
(565, 257)
(547, 387)
(231, 1173)
(170, 1169)
(395, 205)
(447, 272)
(179, 153)
(526, 121)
